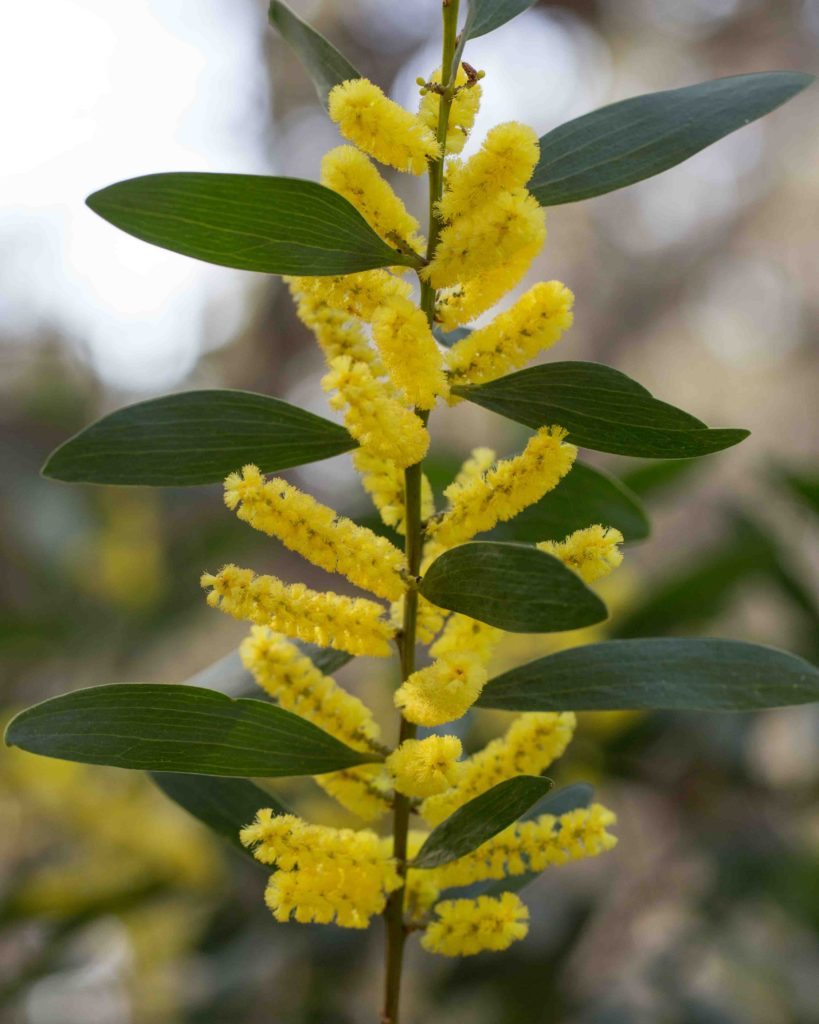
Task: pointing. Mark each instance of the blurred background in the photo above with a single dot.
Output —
(703, 283)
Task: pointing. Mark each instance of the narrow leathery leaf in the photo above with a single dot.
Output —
(512, 586)
(224, 804)
(480, 819)
(449, 338)
(325, 65)
(171, 728)
(601, 408)
(640, 137)
(561, 801)
(248, 221)
(662, 673)
(584, 496)
(487, 15)
(195, 437)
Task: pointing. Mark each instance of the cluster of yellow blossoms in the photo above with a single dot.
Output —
(385, 371)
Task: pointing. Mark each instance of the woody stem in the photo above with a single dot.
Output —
(396, 931)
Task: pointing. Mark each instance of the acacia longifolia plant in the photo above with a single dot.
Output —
(446, 842)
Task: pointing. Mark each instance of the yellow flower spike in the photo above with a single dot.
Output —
(422, 768)
(592, 552)
(533, 324)
(486, 238)
(462, 113)
(480, 461)
(506, 489)
(351, 624)
(464, 302)
(382, 128)
(384, 482)
(530, 745)
(465, 635)
(409, 352)
(466, 927)
(316, 532)
(504, 163)
(377, 421)
(347, 171)
(337, 332)
(358, 295)
(443, 691)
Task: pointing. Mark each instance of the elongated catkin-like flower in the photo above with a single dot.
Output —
(533, 324)
(533, 846)
(466, 927)
(425, 767)
(409, 352)
(531, 743)
(504, 163)
(506, 489)
(464, 302)
(382, 128)
(347, 171)
(480, 461)
(377, 421)
(462, 112)
(352, 624)
(316, 532)
(384, 482)
(337, 333)
(358, 295)
(291, 678)
(485, 238)
(592, 552)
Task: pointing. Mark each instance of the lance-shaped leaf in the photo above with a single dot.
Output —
(660, 673)
(637, 138)
(155, 727)
(512, 586)
(226, 805)
(583, 497)
(601, 408)
(248, 221)
(480, 819)
(196, 437)
(487, 15)
(325, 65)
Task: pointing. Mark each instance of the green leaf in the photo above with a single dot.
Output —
(480, 819)
(157, 727)
(648, 479)
(660, 673)
(325, 65)
(803, 485)
(247, 221)
(637, 138)
(511, 586)
(196, 437)
(584, 497)
(487, 15)
(224, 804)
(601, 408)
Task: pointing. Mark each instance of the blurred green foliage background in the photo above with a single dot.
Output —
(117, 908)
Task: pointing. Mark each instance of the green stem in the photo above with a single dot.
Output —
(396, 929)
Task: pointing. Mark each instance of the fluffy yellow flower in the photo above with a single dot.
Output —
(409, 352)
(324, 874)
(504, 163)
(506, 489)
(377, 421)
(382, 128)
(316, 532)
(533, 324)
(465, 927)
(592, 552)
(425, 767)
(291, 678)
(337, 332)
(530, 745)
(347, 171)
(462, 112)
(384, 482)
(464, 302)
(486, 238)
(533, 846)
(358, 295)
(446, 689)
(352, 624)
(479, 462)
